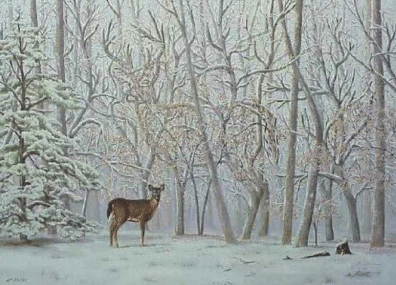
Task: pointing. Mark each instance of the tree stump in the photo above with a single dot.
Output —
(343, 248)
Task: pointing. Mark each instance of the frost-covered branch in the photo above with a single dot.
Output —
(37, 203)
(73, 132)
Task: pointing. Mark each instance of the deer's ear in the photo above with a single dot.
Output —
(150, 187)
(162, 187)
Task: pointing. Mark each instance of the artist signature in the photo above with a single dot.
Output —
(16, 279)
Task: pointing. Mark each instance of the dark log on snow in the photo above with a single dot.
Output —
(343, 248)
(318, 254)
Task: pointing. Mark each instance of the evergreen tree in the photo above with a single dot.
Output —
(35, 175)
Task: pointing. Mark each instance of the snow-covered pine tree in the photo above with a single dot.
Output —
(35, 175)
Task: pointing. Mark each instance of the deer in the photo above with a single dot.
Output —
(120, 210)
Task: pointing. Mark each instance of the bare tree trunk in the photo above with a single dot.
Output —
(353, 217)
(33, 13)
(181, 189)
(378, 229)
(146, 171)
(60, 47)
(220, 203)
(264, 211)
(351, 202)
(255, 199)
(142, 192)
(352, 209)
(85, 204)
(315, 225)
(10, 14)
(21, 158)
(198, 216)
(367, 216)
(291, 149)
(204, 210)
(303, 234)
(34, 19)
(302, 237)
(369, 15)
(326, 189)
(367, 219)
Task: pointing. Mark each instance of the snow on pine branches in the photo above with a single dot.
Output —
(37, 177)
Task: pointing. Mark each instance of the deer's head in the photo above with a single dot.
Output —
(156, 191)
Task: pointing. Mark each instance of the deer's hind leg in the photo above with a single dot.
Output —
(111, 229)
(113, 235)
(115, 224)
(116, 227)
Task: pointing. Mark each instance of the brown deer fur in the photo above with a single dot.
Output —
(120, 210)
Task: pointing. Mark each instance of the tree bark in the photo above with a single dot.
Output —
(291, 149)
(353, 217)
(302, 238)
(85, 204)
(181, 189)
(303, 234)
(34, 19)
(378, 229)
(33, 13)
(198, 216)
(145, 172)
(351, 202)
(328, 217)
(255, 199)
(204, 206)
(264, 211)
(60, 48)
(21, 73)
(352, 209)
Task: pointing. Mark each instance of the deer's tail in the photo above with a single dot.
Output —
(109, 208)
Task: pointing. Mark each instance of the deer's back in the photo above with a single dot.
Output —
(134, 209)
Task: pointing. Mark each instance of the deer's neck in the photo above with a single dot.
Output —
(154, 202)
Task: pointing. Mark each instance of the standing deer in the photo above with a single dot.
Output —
(121, 210)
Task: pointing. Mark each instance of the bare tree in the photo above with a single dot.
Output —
(180, 15)
(293, 52)
(335, 79)
(379, 60)
(378, 230)
(60, 49)
(135, 108)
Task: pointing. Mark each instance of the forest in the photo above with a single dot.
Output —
(260, 117)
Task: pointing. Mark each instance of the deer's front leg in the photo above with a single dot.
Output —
(142, 229)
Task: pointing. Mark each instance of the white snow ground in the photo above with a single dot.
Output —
(190, 260)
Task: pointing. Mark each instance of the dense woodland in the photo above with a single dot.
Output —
(248, 111)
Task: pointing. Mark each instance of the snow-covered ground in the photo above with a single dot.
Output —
(190, 260)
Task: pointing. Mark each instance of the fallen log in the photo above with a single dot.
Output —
(318, 254)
